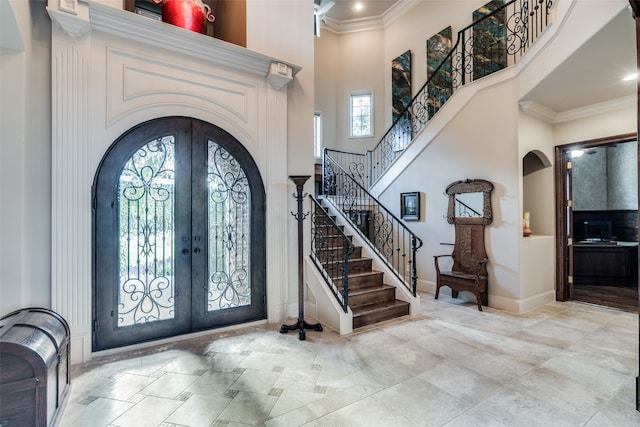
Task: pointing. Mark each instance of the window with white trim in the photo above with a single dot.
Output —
(361, 114)
(317, 134)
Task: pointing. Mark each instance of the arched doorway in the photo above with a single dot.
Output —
(178, 234)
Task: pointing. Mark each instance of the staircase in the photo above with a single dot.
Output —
(499, 36)
(370, 299)
(348, 177)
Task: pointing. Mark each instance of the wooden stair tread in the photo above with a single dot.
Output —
(357, 274)
(364, 273)
(379, 306)
(370, 299)
(337, 248)
(369, 289)
(356, 259)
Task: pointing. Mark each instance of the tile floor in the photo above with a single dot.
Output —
(564, 364)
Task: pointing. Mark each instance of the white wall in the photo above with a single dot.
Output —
(293, 42)
(603, 124)
(535, 135)
(537, 252)
(25, 151)
(352, 61)
(360, 61)
(327, 70)
(479, 143)
(344, 64)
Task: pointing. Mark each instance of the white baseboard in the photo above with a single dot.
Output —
(501, 303)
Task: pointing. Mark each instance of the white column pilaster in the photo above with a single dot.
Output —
(277, 202)
(71, 188)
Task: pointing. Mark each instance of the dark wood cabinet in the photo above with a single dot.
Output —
(34, 367)
(605, 263)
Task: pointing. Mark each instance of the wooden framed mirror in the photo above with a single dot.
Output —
(470, 202)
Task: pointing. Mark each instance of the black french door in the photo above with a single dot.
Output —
(179, 234)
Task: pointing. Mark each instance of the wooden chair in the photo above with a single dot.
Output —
(470, 211)
(469, 270)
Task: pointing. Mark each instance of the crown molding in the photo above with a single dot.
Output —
(353, 25)
(550, 116)
(596, 109)
(371, 23)
(538, 111)
(398, 9)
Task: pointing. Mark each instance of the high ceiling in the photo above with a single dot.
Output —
(344, 10)
(590, 75)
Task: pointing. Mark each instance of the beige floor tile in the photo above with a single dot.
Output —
(616, 413)
(255, 381)
(428, 406)
(149, 412)
(100, 412)
(465, 384)
(597, 378)
(212, 383)
(124, 386)
(199, 411)
(516, 409)
(560, 364)
(290, 400)
(561, 391)
(297, 379)
(249, 408)
(169, 385)
(367, 412)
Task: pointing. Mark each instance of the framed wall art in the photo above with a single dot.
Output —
(410, 206)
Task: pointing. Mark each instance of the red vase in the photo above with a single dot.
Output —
(189, 14)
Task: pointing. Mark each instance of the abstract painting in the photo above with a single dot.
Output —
(439, 88)
(401, 93)
(489, 40)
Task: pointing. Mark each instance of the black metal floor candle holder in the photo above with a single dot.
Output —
(300, 325)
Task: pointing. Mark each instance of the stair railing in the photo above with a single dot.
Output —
(492, 42)
(394, 242)
(330, 252)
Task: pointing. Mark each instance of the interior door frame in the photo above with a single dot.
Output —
(563, 250)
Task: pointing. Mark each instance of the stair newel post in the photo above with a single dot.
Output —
(301, 325)
(414, 270)
(347, 251)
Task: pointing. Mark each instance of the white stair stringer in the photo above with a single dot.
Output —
(326, 308)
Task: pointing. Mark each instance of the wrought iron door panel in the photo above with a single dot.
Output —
(146, 196)
(230, 223)
(173, 235)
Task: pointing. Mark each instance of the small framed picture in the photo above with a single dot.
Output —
(410, 206)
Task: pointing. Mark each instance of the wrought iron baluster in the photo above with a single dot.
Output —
(522, 24)
(387, 234)
(333, 268)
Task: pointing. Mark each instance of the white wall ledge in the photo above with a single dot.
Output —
(122, 23)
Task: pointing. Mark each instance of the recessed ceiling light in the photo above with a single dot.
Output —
(576, 153)
(630, 77)
(358, 6)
